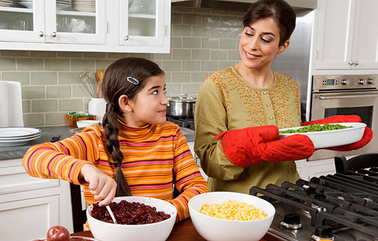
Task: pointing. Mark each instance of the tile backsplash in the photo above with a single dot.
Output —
(203, 41)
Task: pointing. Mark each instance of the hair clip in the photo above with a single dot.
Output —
(133, 80)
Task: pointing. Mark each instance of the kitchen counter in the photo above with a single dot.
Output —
(48, 133)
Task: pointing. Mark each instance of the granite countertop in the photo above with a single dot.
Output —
(48, 133)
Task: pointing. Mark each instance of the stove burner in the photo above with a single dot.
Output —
(182, 122)
(291, 221)
(323, 233)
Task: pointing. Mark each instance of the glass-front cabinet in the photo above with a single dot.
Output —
(86, 25)
(53, 21)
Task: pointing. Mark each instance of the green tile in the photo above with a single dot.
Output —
(229, 43)
(44, 78)
(198, 77)
(226, 64)
(219, 32)
(229, 21)
(218, 54)
(80, 91)
(25, 106)
(233, 54)
(180, 77)
(7, 64)
(176, 18)
(95, 55)
(70, 54)
(191, 89)
(182, 9)
(192, 19)
(172, 65)
(103, 64)
(176, 42)
(58, 91)
(49, 54)
(192, 42)
(161, 56)
(182, 54)
(210, 43)
(56, 119)
(191, 65)
(211, 20)
(141, 55)
(220, 11)
(57, 64)
(33, 92)
(173, 89)
(118, 55)
(29, 64)
(44, 105)
(201, 31)
(15, 53)
(200, 54)
(168, 77)
(22, 77)
(234, 32)
(34, 120)
(181, 30)
(82, 64)
(209, 66)
(69, 78)
(71, 105)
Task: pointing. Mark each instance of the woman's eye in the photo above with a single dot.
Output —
(266, 40)
(248, 34)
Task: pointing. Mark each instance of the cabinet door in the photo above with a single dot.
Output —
(144, 25)
(78, 23)
(22, 21)
(365, 44)
(28, 219)
(335, 19)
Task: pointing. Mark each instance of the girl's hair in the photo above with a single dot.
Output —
(125, 76)
(279, 10)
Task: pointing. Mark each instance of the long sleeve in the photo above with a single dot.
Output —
(62, 159)
(188, 180)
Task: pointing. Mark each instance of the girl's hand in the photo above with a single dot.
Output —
(101, 185)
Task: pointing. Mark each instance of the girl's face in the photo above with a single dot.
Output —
(259, 44)
(149, 105)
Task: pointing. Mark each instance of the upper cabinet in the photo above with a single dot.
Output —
(86, 25)
(347, 35)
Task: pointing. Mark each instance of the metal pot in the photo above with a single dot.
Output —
(181, 106)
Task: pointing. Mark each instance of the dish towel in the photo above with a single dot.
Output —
(11, 104)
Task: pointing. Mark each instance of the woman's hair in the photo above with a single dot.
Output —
(125, 76)
(279, 10)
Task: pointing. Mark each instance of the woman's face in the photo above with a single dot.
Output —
(259, 44)
(149, 105)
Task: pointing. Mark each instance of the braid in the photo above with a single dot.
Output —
(111, 126)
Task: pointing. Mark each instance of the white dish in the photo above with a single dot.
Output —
(85, 123)
(26, 4)
(13, 132)
(325, 139)
(20, 142)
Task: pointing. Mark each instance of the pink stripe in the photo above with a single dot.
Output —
(151, 187)
(196, 174)
(146, 144)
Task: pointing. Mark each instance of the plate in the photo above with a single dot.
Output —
(19, 142)
(13, 132)
(325, 139)
(26, 4)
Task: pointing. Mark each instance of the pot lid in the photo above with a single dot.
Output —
(182, 98)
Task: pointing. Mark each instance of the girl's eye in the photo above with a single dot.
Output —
(155, 92)
(165, 90)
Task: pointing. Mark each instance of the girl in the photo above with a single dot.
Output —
(136, 152)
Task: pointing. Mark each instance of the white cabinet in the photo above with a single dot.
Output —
(347, 35)
(32, 204)
(101, 26)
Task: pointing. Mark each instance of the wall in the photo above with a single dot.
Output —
(202, 42)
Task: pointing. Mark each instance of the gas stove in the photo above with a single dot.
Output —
(341, 206)
(182, 122)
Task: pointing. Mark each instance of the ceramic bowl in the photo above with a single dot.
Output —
(85, 123)
(211, 228)
(159, 231)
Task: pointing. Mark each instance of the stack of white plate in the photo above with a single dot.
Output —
(18, 136)
(63, 4)
(5, 3)
(84, 5)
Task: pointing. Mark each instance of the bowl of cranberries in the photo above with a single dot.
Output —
(138, 218)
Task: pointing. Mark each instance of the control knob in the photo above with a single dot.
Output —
(345, 82)
(370, 81)
(362, 82)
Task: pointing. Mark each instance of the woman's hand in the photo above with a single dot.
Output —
(101, 185)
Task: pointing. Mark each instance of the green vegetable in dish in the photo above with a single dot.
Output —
(316, 127)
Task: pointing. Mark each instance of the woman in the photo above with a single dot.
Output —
(239, 109)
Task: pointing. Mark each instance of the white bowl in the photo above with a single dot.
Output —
(211, 228)
(325, 139)
(85, 123)
(120, 232)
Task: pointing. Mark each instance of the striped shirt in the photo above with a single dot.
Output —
(156, 159)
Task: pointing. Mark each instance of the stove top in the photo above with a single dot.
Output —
(182, 122)
(341, 206)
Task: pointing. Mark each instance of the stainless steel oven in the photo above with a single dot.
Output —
(346, 95)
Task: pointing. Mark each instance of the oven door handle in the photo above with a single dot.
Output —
(325, 97)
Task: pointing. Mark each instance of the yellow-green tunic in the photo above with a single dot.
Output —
(225, 102)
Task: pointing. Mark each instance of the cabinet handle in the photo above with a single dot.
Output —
(350, 63)
(53, 34)
(41, 34)
(126, 38)
(356, 63)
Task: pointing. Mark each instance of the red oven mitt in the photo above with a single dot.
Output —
(251, 145)
(366, 138)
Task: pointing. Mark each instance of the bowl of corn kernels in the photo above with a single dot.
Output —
(225, 216)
